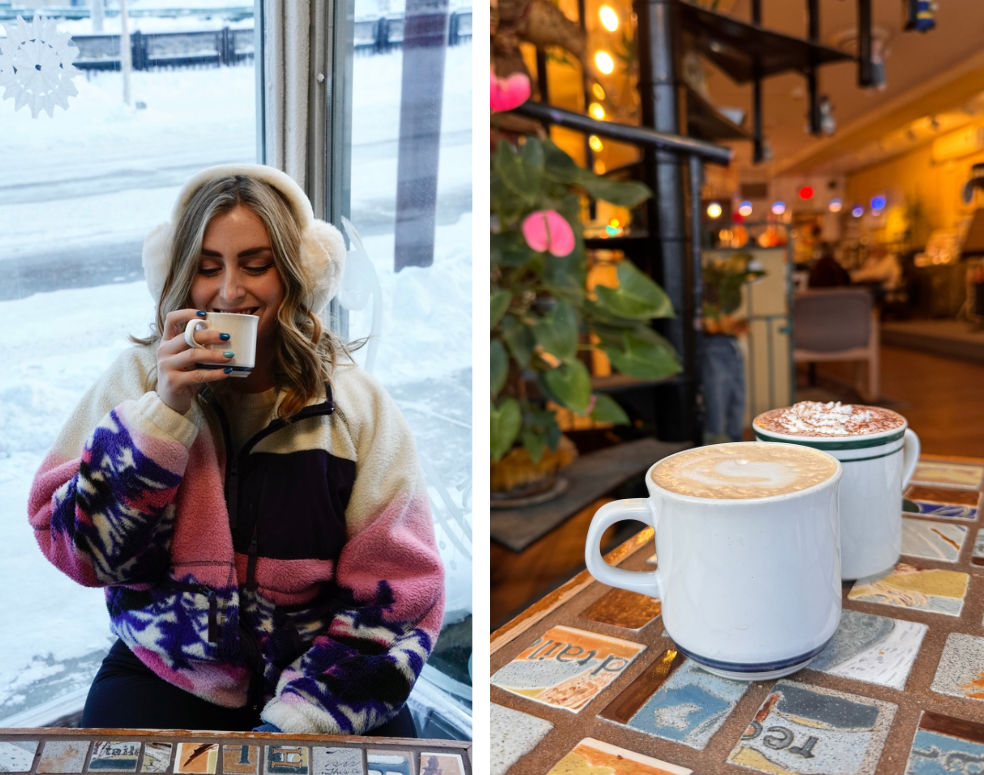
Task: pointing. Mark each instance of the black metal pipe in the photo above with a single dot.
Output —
(813, 11)
(696, 183)
(648, 138)
(865, 69)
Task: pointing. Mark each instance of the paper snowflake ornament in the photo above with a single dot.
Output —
(36, 65)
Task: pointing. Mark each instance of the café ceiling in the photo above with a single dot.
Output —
(935, 84)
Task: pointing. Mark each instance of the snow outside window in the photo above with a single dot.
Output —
(78, 193)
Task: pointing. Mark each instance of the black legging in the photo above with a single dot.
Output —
(127, 693)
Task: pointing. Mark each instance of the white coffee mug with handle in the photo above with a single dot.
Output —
(242, 340)
(750, 588)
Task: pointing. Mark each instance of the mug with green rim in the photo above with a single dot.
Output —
(877, 468)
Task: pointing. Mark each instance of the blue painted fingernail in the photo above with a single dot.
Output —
(201, 313)
(227, 369)
(224, 337)
(229, 354)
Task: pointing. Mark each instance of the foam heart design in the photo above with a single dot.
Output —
(508, 93)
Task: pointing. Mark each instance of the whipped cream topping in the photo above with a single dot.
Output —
(813, 418)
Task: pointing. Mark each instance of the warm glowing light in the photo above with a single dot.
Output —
(598, 92)
(596, 111)
(858, 211)
(615, 222)
(806, 192)
(608, 18)
(599, 167)
(604, 62)
(835, 205)
(878, 203)
(714, 210)
(745, 209)
(595, 142)
(778, 208)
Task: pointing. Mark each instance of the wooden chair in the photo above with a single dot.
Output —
(839, 324)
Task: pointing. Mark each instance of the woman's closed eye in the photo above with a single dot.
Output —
(256, 271)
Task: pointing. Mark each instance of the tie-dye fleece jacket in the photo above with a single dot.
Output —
(301, 577)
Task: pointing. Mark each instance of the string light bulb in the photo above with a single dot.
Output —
(596, 111)
(609, 18)
(604, 62)
(595, 142)
(714, 210)
(598, 91)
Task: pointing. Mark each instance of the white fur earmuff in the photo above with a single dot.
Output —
(322, 245)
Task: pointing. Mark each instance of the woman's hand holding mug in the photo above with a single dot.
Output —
(179, 366)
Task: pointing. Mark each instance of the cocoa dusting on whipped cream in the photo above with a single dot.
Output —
(812, 418)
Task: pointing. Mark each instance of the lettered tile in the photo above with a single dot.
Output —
(944, 745)
(676, 700)
(63, 756)
(290, 759)
(390, 762)
(594, 756)
(808, 729)
(943, 495)
(622, 608)
(939, 510)
(513, 735)
(156, 758)
(201, 758)
(441, 764)
(567, 668)
(17, 756)
(950, 474)
(906, 586)
(240, 759)
(978, 556)
(873, 649)
(115, 756)
(961, 669)
(932, 540)
(337, 761)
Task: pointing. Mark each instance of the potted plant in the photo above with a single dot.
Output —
(724, 363)
(544, 320)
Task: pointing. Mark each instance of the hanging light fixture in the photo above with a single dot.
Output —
(835, 205)
(857, 211)
(745, 209)
(778, 208)
(714, 210)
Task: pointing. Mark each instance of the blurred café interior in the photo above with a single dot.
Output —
(816, 171)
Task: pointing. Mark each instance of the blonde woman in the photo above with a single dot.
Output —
(265, 542)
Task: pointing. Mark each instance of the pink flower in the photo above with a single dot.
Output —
(548, 230)
(508, 93)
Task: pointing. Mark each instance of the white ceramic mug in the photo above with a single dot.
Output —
(877, 468)
(750, 588)
(242, 339)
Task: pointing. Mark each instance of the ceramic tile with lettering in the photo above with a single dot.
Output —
(64, 756)
(809, 729)
(290, 759)
(240, 759)
(943, 495)
(622, 608)
(946, 746)
(977, 558)
(202, 758)
(676, 700)
(949, 474)
(390, 762)
(512, 735)
(17, 756)
(567, 668)
(113, 756)
(441, 764)
(906, 586)
(932, 540)
(961, 669)
(156, 758)
(873, 649)
(337, 761)
(592, 757)
(939, 510)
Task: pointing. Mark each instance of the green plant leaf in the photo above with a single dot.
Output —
(535, 443)
(532, 154)
(522, 180)
(644, 357)
(557, 332)
(636, 297)
(570, 383)
(558, 166)
(599, 317)
(509, 249)
(499, 303)
(499, 366)
(623, 193)
(519, 339)
(606, 409)
(506, 421)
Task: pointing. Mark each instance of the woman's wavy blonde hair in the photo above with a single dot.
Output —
(306, 352)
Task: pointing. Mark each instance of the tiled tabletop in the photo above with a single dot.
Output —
(587, 681)
(77, 751)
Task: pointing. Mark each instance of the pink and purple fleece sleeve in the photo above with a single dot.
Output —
(390, 587)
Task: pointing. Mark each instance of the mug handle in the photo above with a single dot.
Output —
(910, 456)
(640, 509)
(194, 325)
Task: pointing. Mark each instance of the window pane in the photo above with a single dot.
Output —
(417, 240)
(78, 193)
